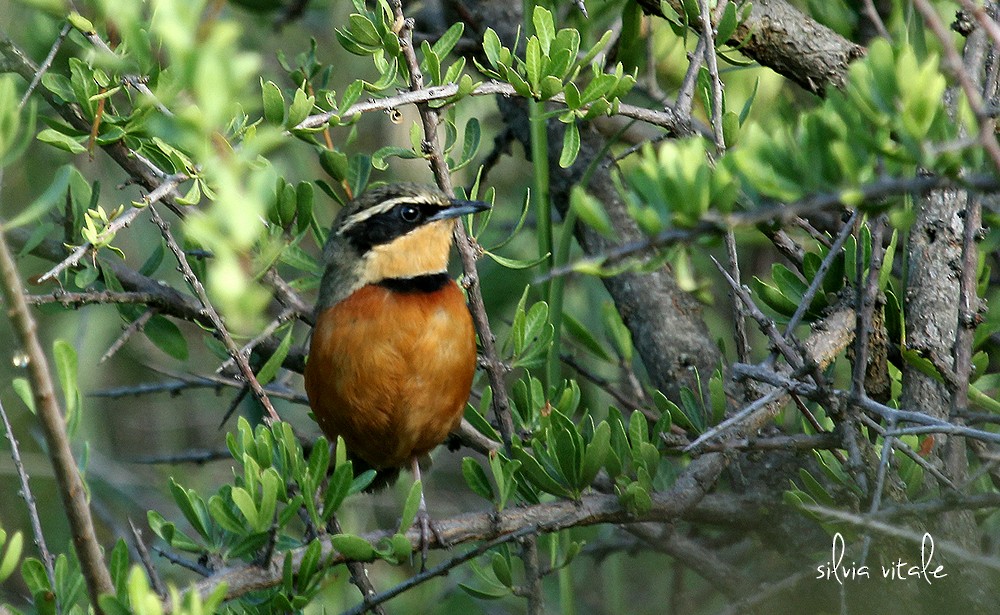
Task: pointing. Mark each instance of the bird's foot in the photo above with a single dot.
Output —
(427, 527)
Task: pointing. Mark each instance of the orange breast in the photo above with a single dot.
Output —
(391, 371)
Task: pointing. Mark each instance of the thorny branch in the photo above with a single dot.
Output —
(29, 499)
(220, 328)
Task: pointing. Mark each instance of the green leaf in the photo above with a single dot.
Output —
(66, 366)
(774, 298)
(571, 145)
(353, 547)
(244, 502)
(476, 478)
(305, 196)
(302, 104)
(193, 507)
(545, 29)
(596, 454)
(534, 472)
(589, 210)
(379, 157)
(363, 30)
(411, 506)
(224, 516)
(361, 481)
(309, 564)
(11, 555)
(533, 64)
(118, 565)
(584, 336)
(34, 575)
(470, 143)
(492, 47)
(62, 141)
(167, 337)
(447, 41)
(22, 387)
(275, 361)
(489, 593)
(478, 420)
(727, 25)
(501, 568)
(513, 263)
(274, 103)
(359, 170)
(730, 127)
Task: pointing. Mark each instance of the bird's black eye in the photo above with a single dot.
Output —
(409, 213)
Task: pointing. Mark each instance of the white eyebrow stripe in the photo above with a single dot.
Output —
(383, 207)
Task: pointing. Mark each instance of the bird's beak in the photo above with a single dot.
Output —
(459, 208)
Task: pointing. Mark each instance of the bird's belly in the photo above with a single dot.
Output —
(390, 371)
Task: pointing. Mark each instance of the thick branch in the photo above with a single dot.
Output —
(779, 36)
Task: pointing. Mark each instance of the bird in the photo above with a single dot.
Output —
(393, 350)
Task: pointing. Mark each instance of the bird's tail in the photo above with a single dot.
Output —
(384, 477)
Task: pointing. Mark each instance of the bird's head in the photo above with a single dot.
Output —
(390, 232)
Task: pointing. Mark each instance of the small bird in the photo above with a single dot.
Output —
(393, 351)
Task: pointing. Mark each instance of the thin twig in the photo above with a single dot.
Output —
(872, 14)
(907, 450)
(708, 37)
(71, 488)
(44, 66)
(685, 94)
(181, 382)
(133, 327)
(928, 423)
(220, 328)
(738, 417)
(929, 508)
(817, 281)
(824, 440)
(147, 561)
(607, 387)
(767, 325)
(285, 315)
(134, 81)
(666, 119)
(894, 530)
(864, 306)
(173, 558)
(287, 296)
(77, 300)
(196, 456)
(29, 500)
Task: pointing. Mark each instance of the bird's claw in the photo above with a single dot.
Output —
(426, 527)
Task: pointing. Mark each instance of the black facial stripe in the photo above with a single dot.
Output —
(418, 284)
(383, 228)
